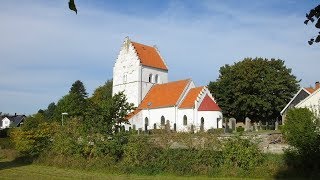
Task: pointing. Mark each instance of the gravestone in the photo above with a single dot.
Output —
(175, 127)
(260, 125)
(226, 127)
(192, 128)
(167, 126)
(154, 126)
(276, 125)
(247, 124)
(232, 124)
(256, 126)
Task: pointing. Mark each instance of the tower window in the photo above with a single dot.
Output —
(150, 77)
(156, 78)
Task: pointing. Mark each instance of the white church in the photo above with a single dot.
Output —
(142, 74)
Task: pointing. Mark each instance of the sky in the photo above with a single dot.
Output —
(45, 47)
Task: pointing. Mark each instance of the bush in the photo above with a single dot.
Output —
(241, 153)
(240, 129)
(301, 131)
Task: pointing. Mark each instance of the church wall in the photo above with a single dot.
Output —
(210, 119)
(190, 119)
(312, 103)
(146, 85)
(127, 74)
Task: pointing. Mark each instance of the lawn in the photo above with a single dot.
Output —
(13, 170)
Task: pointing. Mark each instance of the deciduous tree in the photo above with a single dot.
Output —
(255, 88)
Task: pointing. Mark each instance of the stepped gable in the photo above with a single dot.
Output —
(191, 97)
(149, 56)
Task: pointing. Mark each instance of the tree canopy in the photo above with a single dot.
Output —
(313, 16)
(255, 88)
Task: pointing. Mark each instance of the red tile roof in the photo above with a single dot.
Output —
(192, 95)
(164, 95)
(208, 104)
(310, 90)
(149, 56)
(133, 113)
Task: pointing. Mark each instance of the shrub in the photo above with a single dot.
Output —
(241, 153)
(301, 131)
(240, 129)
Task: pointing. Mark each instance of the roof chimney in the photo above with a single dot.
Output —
(317, 85)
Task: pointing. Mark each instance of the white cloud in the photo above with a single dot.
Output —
(44, 48)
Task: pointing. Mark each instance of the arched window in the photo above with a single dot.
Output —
(202, 121)
(185, 120)
(156, 78)
(150, 77)
(163, 121)
(146, 121)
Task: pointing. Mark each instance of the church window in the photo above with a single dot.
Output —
(185, 120)
(202, 120)
(150, 77)
(156, 78)
(163, 121)
(146, 121)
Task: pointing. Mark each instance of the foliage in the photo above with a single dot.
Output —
(255, 88)
(32, 141)
(75, 103)
(301, 131)
(313, 16)
(106, 117)
(240, 129)
(72, 6)
(102, 93)
(241, 153)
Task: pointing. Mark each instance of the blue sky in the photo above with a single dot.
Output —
(44, 47)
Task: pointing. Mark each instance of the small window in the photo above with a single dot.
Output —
(185, 120)
(163, 121)
(202, 121)
(150, 77)
(156, 78)
(146, 121)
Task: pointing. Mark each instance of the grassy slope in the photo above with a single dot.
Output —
(11, 170)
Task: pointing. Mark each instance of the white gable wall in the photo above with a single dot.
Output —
(127, 74)
(5, 123)
(312, 102)
(210, 119)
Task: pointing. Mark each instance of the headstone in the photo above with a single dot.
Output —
(154, 126)
(276, 125)
(260, 125)
(192, 128)
(232, 124)
(175, 127)
(247, 124)
(167, 126)
(226, 127)
(256, 126)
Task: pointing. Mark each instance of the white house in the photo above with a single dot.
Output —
(11, 120)
(142, 74)
(312, 102)
(5, 123)
(299, 97)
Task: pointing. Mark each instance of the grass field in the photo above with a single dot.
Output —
(13, 170)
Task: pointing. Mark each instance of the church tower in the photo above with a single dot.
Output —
(137, 68)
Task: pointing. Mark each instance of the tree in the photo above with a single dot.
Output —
(72, 6)
(102, 93)
(255, 88)
(313, 16)
(75, 103)
(107, 116)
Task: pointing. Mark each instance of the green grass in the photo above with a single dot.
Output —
(18, 170)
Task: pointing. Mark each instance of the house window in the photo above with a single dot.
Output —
(185, 120)
(163, 121)
(156, 78)
(146, 121)
(150, 77)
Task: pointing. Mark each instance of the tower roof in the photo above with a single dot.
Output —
(149, 56)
